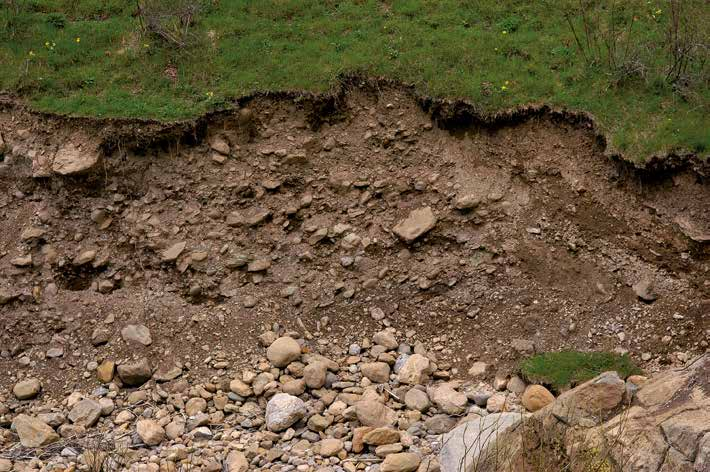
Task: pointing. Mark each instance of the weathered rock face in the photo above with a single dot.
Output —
(592, 400)
(665, 428)
(668, 425)
(34, 432)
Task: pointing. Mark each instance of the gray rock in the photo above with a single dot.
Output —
(416, 399)
(462, 447)
(137, 334)
(85, 413)
(284, 410)
(440, 424)
(523, 346)
(644, 290)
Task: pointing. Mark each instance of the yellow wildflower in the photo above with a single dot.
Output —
(78, 40)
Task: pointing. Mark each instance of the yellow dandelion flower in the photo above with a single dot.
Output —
(46, 43)
(504, 88)
(78, 40)
(505, 32)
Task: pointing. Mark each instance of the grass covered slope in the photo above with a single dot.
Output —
(98, 58)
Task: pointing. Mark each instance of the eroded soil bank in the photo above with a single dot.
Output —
(283, 211)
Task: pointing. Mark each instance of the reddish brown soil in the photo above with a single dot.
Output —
(477, 281)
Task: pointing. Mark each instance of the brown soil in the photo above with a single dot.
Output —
(562, 233)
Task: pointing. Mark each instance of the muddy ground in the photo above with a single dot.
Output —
(294, 226)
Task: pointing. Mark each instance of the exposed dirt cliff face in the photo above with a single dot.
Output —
(305, 211)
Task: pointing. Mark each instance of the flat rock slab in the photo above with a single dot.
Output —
(71, 159)
(418, 223)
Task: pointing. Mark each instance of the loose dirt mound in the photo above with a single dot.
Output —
(284, 212)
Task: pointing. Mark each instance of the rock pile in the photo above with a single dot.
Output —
(379, 405)
(376, 405)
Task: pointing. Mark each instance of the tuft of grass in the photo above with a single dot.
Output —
(496, 53)
(565, 369)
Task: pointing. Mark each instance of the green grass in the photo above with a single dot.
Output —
(565, 369)
(495, 53)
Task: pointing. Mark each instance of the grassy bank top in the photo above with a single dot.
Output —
(638, 66)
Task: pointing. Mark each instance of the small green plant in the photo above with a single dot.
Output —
(510, 24)
(57, 20)
(565, 369)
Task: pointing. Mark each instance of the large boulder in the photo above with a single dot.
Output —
(470, 443)
(666, 427)
(592, 400)
(33, 432)
(284, 410)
